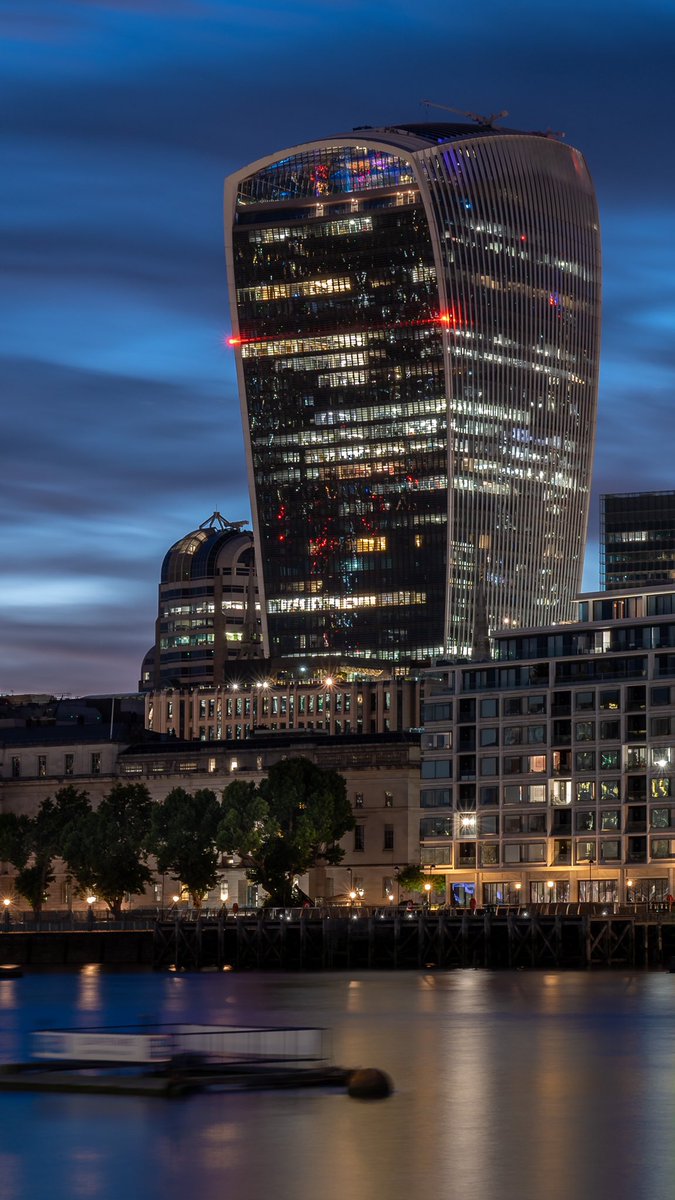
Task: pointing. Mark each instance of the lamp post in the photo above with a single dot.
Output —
(630, 899)
(550, 883)
(91, 900)
(518, 887)
(6, 902)
(427, 888)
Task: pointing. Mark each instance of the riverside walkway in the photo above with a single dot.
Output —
(573, 936)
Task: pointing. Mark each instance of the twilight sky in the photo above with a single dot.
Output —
(120, 119)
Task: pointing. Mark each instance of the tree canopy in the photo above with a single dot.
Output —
(183, 836)
(107, 848)
(413, 879)
(32, 843)
(288, 823)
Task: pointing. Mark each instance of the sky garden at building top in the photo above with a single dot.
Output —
(415, 320)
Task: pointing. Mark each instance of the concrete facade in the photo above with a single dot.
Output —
(548, 773)
(382, 775)
(325, 704)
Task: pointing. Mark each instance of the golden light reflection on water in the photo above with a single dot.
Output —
(89, 992)
(508, 1086)
(8, 994)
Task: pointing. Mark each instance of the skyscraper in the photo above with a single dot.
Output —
(637, 539)
(416, 323)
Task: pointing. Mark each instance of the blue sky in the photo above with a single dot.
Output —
(120, 419)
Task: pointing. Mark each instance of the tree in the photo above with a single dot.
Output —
(183, 838)
(413, 879)
(289, 823)
(32, 843)
(107, 848)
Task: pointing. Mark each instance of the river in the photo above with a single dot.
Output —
(549, 1086)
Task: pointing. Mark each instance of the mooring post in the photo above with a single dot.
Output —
(220, 941)
(510, 936)
(465, 938)
(198, 941)
(487, 939)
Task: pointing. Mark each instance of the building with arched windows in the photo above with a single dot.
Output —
(208, 612)
(416, 317)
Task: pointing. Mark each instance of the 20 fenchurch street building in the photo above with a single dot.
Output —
(416, 317)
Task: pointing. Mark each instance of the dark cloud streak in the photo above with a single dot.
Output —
(121, 426)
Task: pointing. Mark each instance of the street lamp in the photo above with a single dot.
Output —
(629, 888)
(91, 900)
(352, 897)
(427, 888)
(7, 903)
(550, 883)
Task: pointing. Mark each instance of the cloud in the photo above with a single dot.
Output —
(121, 426)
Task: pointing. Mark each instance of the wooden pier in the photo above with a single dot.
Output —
(386, 941)
(365, 939)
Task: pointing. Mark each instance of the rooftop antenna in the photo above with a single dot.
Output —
(484, 122)
(216, 521)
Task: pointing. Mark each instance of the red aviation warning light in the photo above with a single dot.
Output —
(448, 318)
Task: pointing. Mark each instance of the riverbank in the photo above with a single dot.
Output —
(353, 940)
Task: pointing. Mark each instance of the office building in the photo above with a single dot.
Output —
(549, 774)
(415, 318)
(208, 611)
(637, 539)
(328, 705)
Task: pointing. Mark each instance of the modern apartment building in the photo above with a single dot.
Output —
(415, 315)
(549, 773)
(637, 539)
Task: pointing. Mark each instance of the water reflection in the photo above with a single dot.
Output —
(508, 1086)
(89, 994)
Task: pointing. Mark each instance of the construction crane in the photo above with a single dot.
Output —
(484, 122)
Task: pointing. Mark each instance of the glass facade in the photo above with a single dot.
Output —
(637, 542)
(207, 611)
(416, 332)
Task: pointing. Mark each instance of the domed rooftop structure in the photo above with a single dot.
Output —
(208, 611)
(198, 554)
